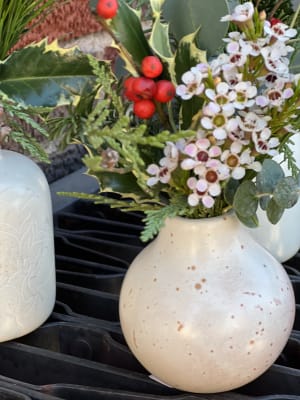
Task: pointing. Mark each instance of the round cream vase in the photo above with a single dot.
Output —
(204, 307)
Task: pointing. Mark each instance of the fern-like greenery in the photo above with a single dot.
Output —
(16, 125)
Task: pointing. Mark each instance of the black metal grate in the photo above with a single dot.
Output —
(80, 353)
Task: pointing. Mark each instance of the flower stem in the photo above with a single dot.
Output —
(171, 117)
(275, 8)
(295, 17)
(162, 116)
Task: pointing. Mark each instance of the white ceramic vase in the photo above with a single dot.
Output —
(204, 307)
(27, 267)
(283, 239)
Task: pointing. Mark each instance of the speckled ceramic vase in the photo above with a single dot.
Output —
(27, 269)
(204, 307)
(283, 239)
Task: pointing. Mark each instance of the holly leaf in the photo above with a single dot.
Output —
(45, 76)
(126, 26)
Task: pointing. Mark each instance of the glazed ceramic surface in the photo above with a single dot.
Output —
(204, 307)
(283, 239)
(27, 269)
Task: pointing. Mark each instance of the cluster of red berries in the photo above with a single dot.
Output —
(107, 8)
(144, 90)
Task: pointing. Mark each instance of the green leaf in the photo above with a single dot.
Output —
(295, 63)
(188, 109)
(127, 27)
(159, 40)
(18, 17)
(264, 201)
(186, 16)
(156, 6)
(270, 174)
(118, 183)
(155, 219)
(286, 192)
(230, 190)
(245, 201)
(250, 222)
(39, 77)
(274, 212)
(188, 55)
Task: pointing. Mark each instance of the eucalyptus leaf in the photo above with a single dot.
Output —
(250, 222)
(274, 212)
(230, 190)
(263, 202)
(38, 77)
(187, 16)
(270, 174)
(245, 201)
(286, 192)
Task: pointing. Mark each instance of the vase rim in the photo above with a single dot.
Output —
(229, 213)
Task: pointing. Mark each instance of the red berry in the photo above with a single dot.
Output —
(275, 21)
(107, 8)
(144, 88)
(165, 91)
(151, 67)
(128, 89)
(144, 108)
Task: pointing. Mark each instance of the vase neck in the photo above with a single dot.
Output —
(180, 229)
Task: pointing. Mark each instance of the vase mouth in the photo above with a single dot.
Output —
(223, 216)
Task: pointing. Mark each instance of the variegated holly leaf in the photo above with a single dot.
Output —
(45, 76)
(127, 28)
(187, 56)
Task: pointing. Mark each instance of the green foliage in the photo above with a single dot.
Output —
(121, 146)
(38, 76)
(15, 17)
(128, 32)
(186, 17)
(277, 191)
(280, 9)
(245, 200)
(14, 120)
(155, 219)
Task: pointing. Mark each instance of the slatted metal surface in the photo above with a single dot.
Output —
(80, 353)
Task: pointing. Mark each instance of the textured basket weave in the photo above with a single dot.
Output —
(67, 21)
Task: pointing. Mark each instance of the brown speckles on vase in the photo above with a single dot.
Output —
(180, 326)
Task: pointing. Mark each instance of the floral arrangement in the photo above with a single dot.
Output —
(192, 132)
